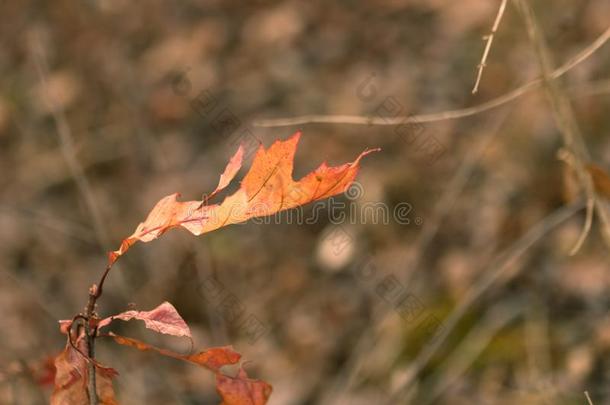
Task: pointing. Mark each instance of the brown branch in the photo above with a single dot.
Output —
(489, 38)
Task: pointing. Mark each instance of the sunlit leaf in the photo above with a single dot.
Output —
(266, 189)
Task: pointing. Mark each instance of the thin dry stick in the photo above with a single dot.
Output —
(76, 170)
(588, 398)
(568, 158)
(568, 126)
(489, 38)
(69, 153)
(440, 116)
(347, 377)
(504, 261)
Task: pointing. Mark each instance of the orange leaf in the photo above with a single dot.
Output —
(267, 188)
(163, 319)
(230, 171)
(212, 358)
(241, 390)
(238, 390)
(71, 379)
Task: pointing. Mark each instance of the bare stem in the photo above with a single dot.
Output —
(489, 39)
(90, 333)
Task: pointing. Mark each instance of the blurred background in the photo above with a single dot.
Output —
(467, 294)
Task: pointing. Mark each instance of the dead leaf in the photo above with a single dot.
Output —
(238, 390)
(163, 319)
(241, 390)
(44, 371)
(213, 358)
(266, 189)
(230, 171)
(71, 379)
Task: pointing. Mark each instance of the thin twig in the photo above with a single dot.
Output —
(567, 125)
(440, 116)
(588, 398)
(441, 209)
(489, 38)
(569, 158)
(69, 153)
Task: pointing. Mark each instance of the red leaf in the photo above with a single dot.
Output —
(241, 390)
(71, 379)
(267, 188)
(163, 319)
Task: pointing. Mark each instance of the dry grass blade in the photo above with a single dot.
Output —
(489, 39)
(569, 158)
(566, 123)
(69, 153)
(473, 345)
(504, 261)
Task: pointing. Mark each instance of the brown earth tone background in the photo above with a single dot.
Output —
(107, 106)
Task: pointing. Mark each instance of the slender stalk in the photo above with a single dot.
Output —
(489, 39)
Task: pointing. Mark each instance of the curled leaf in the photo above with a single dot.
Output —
(163, 319)
(238, 390)
(213, 358)
(230, 171)
(71, 379)
(266, 189)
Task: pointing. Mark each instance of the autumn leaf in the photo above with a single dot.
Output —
(230, 171)
(213, 358)
(163, 319)
(241, 390)
(71, 378)
(266, 189)
(238, 390)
